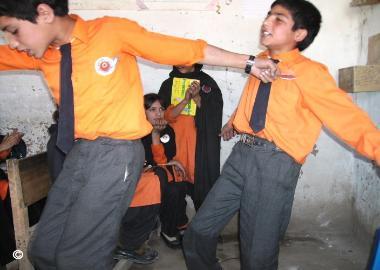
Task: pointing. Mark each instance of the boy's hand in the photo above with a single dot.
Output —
(264, 69)
(227, 132)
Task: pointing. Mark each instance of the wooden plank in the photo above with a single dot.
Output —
(355, 3)
(20, 213)
(360, 78)
(35, 178)
(374, 50)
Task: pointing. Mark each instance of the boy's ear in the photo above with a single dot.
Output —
(45, 13)
(300, 34)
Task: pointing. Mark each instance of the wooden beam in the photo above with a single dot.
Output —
(374, 50)
(355, 3)
(360, 78)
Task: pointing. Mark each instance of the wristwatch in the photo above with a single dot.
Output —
(249, 63)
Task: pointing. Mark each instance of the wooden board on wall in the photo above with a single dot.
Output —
(142, 4)
(364, 2)
(374, 50)
(360, 78)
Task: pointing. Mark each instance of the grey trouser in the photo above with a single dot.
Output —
(79, 226)
(260, 182)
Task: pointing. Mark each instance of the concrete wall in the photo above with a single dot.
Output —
(334, 186)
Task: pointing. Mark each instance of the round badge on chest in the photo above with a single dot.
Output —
(105, 65)
(165, 138)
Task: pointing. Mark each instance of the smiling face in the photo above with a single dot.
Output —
(276, 31)
(155, 112)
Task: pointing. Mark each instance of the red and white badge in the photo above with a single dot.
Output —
(206, 89)
(105, 65)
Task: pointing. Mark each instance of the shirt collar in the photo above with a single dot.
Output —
(80, 31)
(290, 56)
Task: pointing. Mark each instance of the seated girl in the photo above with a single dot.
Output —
(160, 192)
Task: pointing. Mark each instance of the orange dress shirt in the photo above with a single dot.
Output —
(298, 108)
(108, 95)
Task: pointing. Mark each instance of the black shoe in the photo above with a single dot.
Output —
(147, 256)
(172, 241)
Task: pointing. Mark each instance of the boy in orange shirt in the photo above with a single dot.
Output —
(279, 124)
(99, 86)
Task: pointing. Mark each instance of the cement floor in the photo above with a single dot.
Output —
(297, 253)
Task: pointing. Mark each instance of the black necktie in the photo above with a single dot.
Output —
(259, 111)
(65, 139)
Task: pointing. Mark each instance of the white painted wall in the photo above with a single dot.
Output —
(330, 190)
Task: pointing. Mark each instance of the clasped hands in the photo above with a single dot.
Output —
(193, 92)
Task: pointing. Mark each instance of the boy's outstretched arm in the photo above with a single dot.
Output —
(263, 68)
(336, 110)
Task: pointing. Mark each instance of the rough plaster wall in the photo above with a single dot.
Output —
(325, 193)
(366, 207)
(27, 106)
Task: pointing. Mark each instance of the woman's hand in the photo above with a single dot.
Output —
(194, 87)
(159, 125)
(178, 167)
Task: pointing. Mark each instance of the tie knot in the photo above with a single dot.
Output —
(65, 48)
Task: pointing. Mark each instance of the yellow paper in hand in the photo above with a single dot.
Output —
(180, 85)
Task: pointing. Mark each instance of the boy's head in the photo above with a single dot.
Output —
(27, 9)
(30, 25)
(290, 24)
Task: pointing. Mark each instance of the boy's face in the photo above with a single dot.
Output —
(276, 31)
(25, 36)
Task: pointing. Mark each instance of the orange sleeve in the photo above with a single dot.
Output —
(156, 47)
(5, 153)
(12, 59)
(3, 189)
(168, 113)
(159, 153)
(338, 113)
(232, 118)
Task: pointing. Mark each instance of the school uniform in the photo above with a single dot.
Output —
(260, 175)
(79, 226)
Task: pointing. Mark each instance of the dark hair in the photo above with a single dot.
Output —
(305, 16)
(27, 9)
(150, 98)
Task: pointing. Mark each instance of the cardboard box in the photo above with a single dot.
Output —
(360, 78)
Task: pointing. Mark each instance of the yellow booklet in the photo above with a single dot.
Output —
(180, 85)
